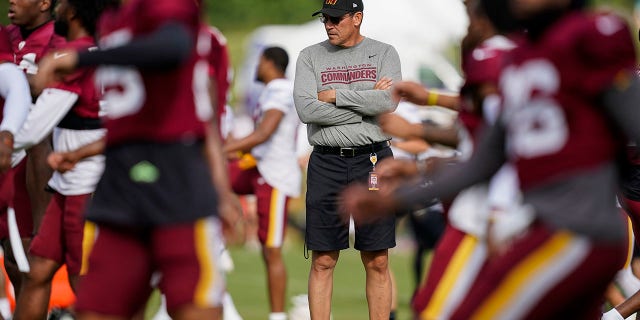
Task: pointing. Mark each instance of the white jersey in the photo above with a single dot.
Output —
(277, 158)
(84, 177)
(49, 109)
(409, 112)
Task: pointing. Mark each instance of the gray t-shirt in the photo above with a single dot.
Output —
(353, 72)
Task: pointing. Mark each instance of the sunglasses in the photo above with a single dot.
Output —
(334, 20)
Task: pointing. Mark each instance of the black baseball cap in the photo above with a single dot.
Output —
(338, 8)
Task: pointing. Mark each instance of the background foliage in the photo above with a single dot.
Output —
(236, 15)
(247, 14)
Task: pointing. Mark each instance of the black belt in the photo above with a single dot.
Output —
(350, 152)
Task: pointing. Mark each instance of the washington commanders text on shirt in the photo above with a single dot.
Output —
(349, 74)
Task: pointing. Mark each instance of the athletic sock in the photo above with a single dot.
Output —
(392, 315)
(277, 316)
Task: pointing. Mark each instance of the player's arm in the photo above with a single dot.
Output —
(629, 306)
(485, 161)
(432, 133)
(165, 48)
(625, 309)
(415, 93)
(52, 105)
(397, 126)
(413, 146)
(447, 135)
(15, 89)
(309, 108)
(65, 161)
(374, 102)
(262, 133)
(229, 207)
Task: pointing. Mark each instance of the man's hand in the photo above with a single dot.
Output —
(230, 212)
(65, 161)
(393, 169)
(364, 205)
(383, 84)
(62, 161)
(6, 149)
(328, 96)
(52, 67)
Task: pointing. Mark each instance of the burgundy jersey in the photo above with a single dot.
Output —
(219, 64)
(81, 82)
(153, 106)
(5, 46)
(27, 52)
(481, 66)
(551, 89)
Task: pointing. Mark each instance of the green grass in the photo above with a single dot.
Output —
(247, 283)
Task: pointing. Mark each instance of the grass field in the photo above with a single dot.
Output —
(248, 289)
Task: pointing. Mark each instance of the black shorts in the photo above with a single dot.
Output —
(151, 184)
(327, 176)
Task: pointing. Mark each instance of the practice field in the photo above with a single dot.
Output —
(247, 282)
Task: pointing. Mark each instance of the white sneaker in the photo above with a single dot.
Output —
(229, 311)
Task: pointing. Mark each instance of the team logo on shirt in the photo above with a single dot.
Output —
(349, 74)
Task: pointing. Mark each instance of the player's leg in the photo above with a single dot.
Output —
(378, 283)
(373, 241)
(45, 258)
(545, 274)
(455, 265)
(188, 256)
(442, 255)
(394, 295)
(625, 283)
(6, 197)
(241, 184)
(272, 218)
(117, 282)
(326, 233)
(38, 175)
(632, 208)
(22, 205)
(323, 264)
(76, 249)
(581, 292)
(33, 301)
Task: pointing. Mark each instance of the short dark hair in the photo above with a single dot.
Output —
(88, 11)
(278, 56)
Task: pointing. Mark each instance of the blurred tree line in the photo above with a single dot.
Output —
(244, 15)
